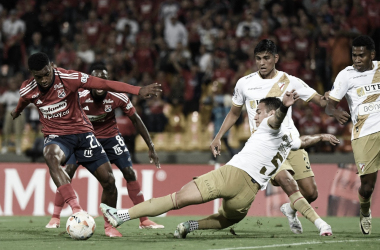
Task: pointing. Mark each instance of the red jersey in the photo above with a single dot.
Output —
(102, 113)
(59, 108)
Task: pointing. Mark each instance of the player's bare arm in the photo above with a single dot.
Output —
(140, 126)
(15, 114)
(288, 100)
(309, 140)
(228, 122)
(332, 110)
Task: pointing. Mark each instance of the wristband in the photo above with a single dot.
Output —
(283, 108)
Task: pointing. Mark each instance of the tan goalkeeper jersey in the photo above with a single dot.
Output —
(362, 91)
(250, 89)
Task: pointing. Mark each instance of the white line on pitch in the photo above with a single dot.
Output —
(295, 244)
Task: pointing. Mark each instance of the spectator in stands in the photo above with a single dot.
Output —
(175, 32)
(251, 23)
(9, 100)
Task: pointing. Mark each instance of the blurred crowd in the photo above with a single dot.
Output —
(197, 50)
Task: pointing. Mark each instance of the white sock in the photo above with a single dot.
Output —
(123, 214)
(319, 223)
(289, 209)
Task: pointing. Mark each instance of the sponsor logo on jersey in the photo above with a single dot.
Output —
(368, 89)
(369, 108)
(38, 102)
(86, 108)
(58, 86)
(87, 153)
(249, 76)
(254, 88)
(89, 100)
(359, 76)
(95, 118)
(54, 108)
(107, 101)
(61, 93)
(84, 78)
(108, 108)
(118, 150)
(35, 95)
(129, 106)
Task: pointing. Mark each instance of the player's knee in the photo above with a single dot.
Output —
(129, 174)
(311, 196)
(109, 184)
(366, 190)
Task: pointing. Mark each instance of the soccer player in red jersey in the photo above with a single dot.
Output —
(67, 130)
(99, 106)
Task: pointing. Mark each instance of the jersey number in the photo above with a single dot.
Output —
(92, 139)
(275, 163)
(120, 140)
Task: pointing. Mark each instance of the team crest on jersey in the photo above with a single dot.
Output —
(61, 93)
(281, 85)
(108, 108)
(360, 91)
(253, 104)
(88, 153)
(361, 166)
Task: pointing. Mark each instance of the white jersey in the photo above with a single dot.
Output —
(264, 152)
(362, 91)
(252, 88)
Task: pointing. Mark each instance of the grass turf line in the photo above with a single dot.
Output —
(29, 232)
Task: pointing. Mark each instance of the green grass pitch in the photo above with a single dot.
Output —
(28, 232)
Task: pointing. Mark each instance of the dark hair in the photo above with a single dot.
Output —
(266, 45)
(364, 41)
(38, 61)
(98, 66)
(271, 103)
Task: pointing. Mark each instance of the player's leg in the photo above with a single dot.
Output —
(201, 190)
(239, 192)
(59, 202)
(55, 151)
(367, 159)
(119, 155)
(136, 195)
(299, 203)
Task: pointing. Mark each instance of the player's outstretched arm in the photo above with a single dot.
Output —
(288, 100)
(230, 120)
(21, 105)
(321, 100)
(310, 140)
(340, 115)
(140, 126)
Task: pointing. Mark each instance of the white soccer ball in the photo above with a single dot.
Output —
(80, 226)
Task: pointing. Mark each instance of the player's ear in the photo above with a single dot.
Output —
(373, 54)
(276, 57)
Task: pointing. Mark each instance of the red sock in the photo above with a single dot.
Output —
(135, 194)
(59, 202)
(106, 222)
(69, 197)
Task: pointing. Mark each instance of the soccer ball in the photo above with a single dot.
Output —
(80, 226)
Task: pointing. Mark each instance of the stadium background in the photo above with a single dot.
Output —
(197, 50)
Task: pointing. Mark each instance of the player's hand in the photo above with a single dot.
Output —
(290, 98)
(151, 90)
(154, 157)
(215, 147)
(341, 116)
(330, 138)
(14, 114)
(326, 96)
